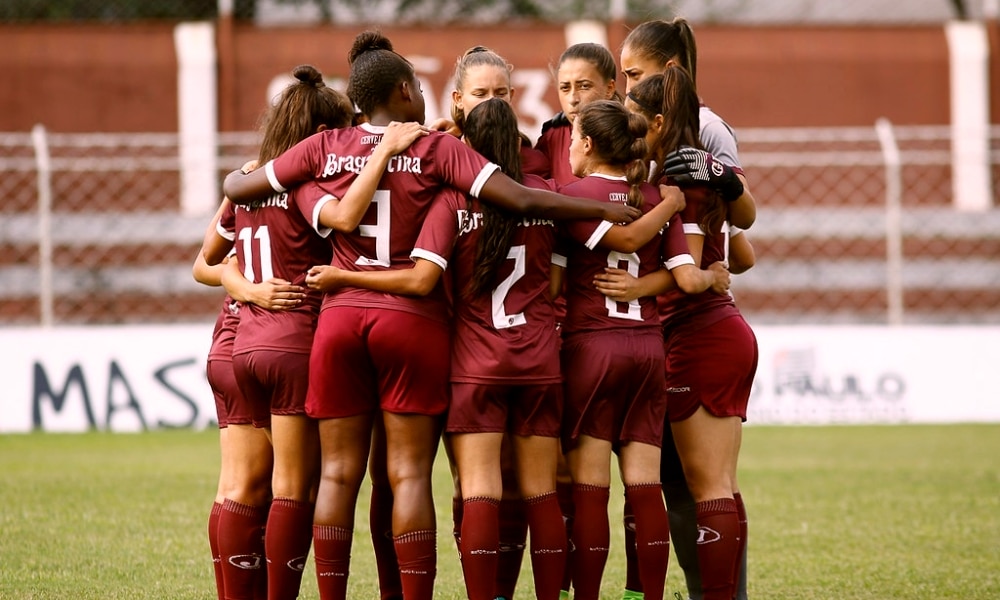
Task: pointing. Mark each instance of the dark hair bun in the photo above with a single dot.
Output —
(367, 42)
(308, 74)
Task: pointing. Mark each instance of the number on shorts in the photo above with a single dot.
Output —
(501, 320)
(247, 235)
(379, 231)
(633, 311)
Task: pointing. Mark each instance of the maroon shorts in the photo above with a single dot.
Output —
(712, 367)
(365, 359)
(274, 382)
(228, 396)
(614, 386)
(523, 410)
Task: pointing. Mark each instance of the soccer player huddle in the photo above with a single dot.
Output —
(542, 307)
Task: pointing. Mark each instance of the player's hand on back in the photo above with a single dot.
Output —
(324, 278)
(617, 284)
(722, 277)
(673, 195)
(447, 126)
(616, 212)
(277, 294)
(400, 136)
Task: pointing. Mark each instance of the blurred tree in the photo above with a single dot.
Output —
(445, 11)
(404, 11)
(435, 10)
(105, 10)
(466, 8)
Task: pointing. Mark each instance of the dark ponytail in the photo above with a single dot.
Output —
(300, 110)
(661, 41)
(491, 129)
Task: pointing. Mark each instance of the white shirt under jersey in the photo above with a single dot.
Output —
(718, 137)
(720, 140)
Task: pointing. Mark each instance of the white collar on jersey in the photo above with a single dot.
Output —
(608, 177)
(372, 128)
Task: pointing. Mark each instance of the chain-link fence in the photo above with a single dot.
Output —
(848, 231)
(860, 225)
(496, 11)
(92, 229)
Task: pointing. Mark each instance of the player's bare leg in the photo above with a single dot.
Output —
(590, 466)
(708, 447)
(244, 513)
(640, 469)
(477, 457)
(380, 518)
(289, 523)
(536, 458)
(411, 445)
(344, 444)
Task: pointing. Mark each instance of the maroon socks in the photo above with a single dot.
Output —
(590, 542)
(332, 549)
(213, 544)
(632, 579)
(380, 525)
(480, 546)
(652, 536)
(287, 541)
(513, 536)
(241, 548)
(416, 552)
(548, 544)
(718, 547)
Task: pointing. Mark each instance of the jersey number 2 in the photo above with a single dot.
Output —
(501, 320)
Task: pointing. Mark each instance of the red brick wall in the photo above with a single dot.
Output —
(84, 78)
(123, 78)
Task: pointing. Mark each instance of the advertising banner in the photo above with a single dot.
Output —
(138, 378)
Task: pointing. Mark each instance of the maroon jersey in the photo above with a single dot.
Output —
(698, 310)
(587, 308)
(533, 162)
(226, 225)
(389, 230)
(275, 238)
(675, 251)
(224, 331)
(554, 143)
(508, 334)
(229, 316)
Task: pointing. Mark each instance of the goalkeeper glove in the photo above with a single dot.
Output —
(690, 166)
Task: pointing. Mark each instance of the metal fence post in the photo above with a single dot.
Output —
(893, 220)
(43, 160)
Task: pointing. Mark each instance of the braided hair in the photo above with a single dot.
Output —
(619, 140)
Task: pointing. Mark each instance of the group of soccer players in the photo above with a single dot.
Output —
(536, 303)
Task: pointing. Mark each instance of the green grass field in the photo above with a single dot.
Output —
(835, 512)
